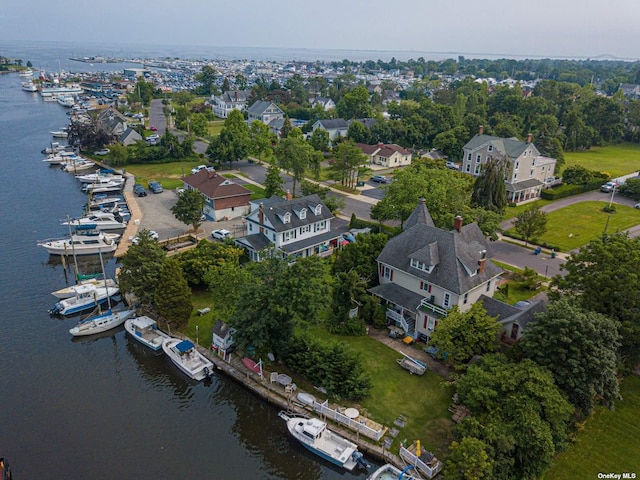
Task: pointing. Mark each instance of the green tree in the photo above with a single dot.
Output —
(273, 181)
(297, 156)
(260, 140)
(183, 97)
(188, 208)
(199, 125)
(360, 256)
(118, 154)
(141, 268)
(233, 142)
(517, 411)
(355, 104)
(468, 460)
(199, 262)
(579, 348)
(348, 290)
(348, 161)
(531, 223)
(172, 294)
(489, 189)
(207, 78)
(320, 140)
(286, 127)
(461, 335)
(603, 276)
(358, 132)
(227, 281)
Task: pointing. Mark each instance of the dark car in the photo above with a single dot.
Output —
(155, 187)
(139, 190)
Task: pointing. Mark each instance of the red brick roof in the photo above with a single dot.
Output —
(214, 185)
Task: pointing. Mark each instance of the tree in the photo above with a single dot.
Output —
(226, 282)
(360, 256)
(579, 349)
(297, 156)
(118, 154)
(320, 140)
(355, 104)
(207, 78)
(461, 335)
(349, 288)
(286, 127)
(199, 125)
(603, 277)
(141, 268)
(531, 223)
(358, 132)
(188, 208)
(198, 263)
(517, 411)
(260, 140)
(468, 460)
(348, 160)
(273, 181)
(233, 142)
(489, 189)
(172, 295)
(183, 97)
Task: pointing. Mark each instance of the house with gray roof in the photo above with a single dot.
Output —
(424, 271)
(387, 155)
(264, 112)
(326, 103)
(513, 319)
(295, 228)
(222, 337)
(529, 171)
(337, 127)
(226, 102)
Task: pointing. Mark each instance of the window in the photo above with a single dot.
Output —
(305, 229)
(488, 285)
(533, 162)
(426, 286)
(318, 227)
(287, 218)
(318, 210)
(468, 167)
(387, 273)
(515, 176)
(517, 165)
(419, 265)
(525, 153)
(477, 170)
(446, 301)
(303, 213)
(478, 158)
(469, 156)
(490, 148)
(531, 173)
(466, 298)
(251, 227)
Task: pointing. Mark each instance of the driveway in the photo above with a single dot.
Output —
(523, 257)
(156, 116)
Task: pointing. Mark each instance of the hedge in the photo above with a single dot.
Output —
(568, 190)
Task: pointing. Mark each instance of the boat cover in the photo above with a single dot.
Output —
(184, 346)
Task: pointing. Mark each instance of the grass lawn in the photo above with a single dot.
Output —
(201, 299)
(608, 443)
(169, 174)
(423, 400)
(215, 127)
(512, 212)
(616, 160)
(578, 224)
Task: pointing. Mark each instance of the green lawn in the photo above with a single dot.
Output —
(608, 443)
(512, 212)
(215, 126)
(423, 400)
(578, 224)
(616, 160)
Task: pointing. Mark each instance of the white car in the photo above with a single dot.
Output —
(221, 234)
(152, 233)
(195, 170)
(104, 151)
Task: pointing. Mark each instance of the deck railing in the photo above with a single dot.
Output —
(359, 424)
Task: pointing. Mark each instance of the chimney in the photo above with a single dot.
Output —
(457, 223)
(482, 261)
(529, 137)
(211, 174)
(380, 145)
(236, 95)
(261, 216)
(288, 196)
(480, 129)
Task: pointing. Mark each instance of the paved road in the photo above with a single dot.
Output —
(156, 116)
(523, 257)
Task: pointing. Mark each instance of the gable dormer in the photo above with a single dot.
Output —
(286, 218)
(318, 210)
(302, 214)
(426, 258)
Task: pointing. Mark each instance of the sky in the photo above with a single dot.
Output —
(546, 28)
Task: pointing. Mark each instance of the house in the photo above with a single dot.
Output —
(222, 337)
(113, 122)
(223, 104)
(386, 155)
(298, 227)
(264, 112)
(630, 90)
(129, 137)
(425, 270)
(529, 171)
(326, 103)
(224, 199)
(337, 127)
(513, 319)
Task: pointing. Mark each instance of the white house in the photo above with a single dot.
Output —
(294, 227)
(386, 155)
(264, 112)
(337, 127)
(225, 103)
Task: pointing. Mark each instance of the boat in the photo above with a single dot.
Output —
(86, 241)
(51, 91)
(59, 134)
(314, 435)
(101, 322)
(26, 73)
(77, 164)
(70, 291)
(184, 354)
(146, 331)
(253, 366)
(414, 366)
(102, 221)
(86, 297)
(390, 472)
(66, 100)
(100, 176)
(102, 201)
(29, 86)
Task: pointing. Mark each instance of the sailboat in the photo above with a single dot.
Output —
(102, 321)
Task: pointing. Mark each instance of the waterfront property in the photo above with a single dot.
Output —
(224, 199)
(298, 227)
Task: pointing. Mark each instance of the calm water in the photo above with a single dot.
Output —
(103, 408)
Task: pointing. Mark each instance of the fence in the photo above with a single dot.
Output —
(360, 425)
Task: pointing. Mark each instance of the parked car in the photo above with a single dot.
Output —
(452, 165)
(153, 136)
(637, 205)
(197, 169)
(153, 129)
(152, 233)
(155, 187)
(221, 234)
(608, 187)
(379, 179)
(104, 151)
(139, 190)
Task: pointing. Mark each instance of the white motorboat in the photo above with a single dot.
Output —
(184, 354)
(29, 86)
(70, 291)
(146, 331)
(55, 90)
(60, 157)
(314, 435)
(26, 73)
(77, 164)
(103, 187)
(390, 472)
(101, 220)
(59, 134)
(86, 241)
(99, 176)
(54, 147)
(101, 323)
(86, 297)
(66, 100)
(103, 201)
